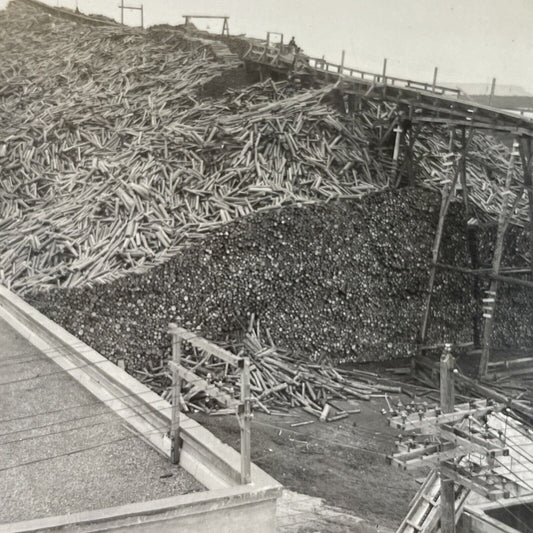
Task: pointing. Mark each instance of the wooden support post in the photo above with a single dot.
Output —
(526, 155)
(471, 239)
(447, 195)
(413, 134)
(396, 154)
(122, 12)
(245, 420)
(492, 90)
(225, 27)
(384, 77)
(435, 72)
(447, 401)
(142, 16)
(341, 66)
(176, 392)
(503, 223)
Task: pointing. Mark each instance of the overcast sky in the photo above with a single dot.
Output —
(469, 40)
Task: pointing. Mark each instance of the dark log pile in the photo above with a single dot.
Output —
(345, 280)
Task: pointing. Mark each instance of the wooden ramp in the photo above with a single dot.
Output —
(424, 512)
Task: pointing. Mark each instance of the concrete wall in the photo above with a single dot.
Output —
(237, 510)
(228, 506)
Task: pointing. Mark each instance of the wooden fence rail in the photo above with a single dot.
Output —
(243, 408)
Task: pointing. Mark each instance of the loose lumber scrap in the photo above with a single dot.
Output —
(278, 379)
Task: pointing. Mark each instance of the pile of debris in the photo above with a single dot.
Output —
(279, 380)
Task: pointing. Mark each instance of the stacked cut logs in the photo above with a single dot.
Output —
(112, 161)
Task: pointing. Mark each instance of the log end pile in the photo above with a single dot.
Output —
(345, 280)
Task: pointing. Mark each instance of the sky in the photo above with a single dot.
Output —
(470, 41)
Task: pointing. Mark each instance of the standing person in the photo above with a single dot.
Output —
(293, 48)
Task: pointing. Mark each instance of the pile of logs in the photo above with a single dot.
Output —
(112, 161)
(280, 379)
(345, 280)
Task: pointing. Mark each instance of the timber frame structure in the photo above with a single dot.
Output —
(418, 105)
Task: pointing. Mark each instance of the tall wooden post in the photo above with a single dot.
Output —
(225, 27)
(435, 72)
(526, 154)
(176, 393)
(447, 401)
(122, 11)
(384, 77)
(503, 223)
(492, 90)
(142, 16)
(245, 412)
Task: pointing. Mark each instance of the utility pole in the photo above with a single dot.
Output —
(447, 401)
(123, 7)
(444, 437)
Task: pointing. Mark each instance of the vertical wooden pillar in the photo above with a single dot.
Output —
(471, 239)
(142, 16)
(526, 155)
(435, 72)
(503, 223)
(122, 11)
(245, 419)
(447, 402)
(176, 393)
(492, 90)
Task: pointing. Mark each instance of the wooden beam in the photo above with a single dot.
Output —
(176, 393)
(483, 273)
(447, 195)
(464, 477)
(503, 222)
(195, 340)
(245, 420)
(202, 385)
(526, 155)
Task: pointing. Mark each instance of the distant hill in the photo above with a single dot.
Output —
(505, 96)
(483, 89)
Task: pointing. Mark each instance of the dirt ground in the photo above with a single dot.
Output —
(343, 462)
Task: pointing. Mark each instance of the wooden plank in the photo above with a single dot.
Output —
(176, 393)
(199, 342)
(202, 385)
(245, 419)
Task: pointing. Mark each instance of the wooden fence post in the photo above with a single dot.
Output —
(176, 392)
(245, 412)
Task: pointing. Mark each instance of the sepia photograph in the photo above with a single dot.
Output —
(266, 266)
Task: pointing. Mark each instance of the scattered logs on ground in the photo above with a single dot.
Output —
(279, 379)
(112, 160)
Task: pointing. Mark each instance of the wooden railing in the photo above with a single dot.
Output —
(266, 52)
(323, 65)
(243, 408)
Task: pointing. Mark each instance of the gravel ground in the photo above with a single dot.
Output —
(42, 471)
